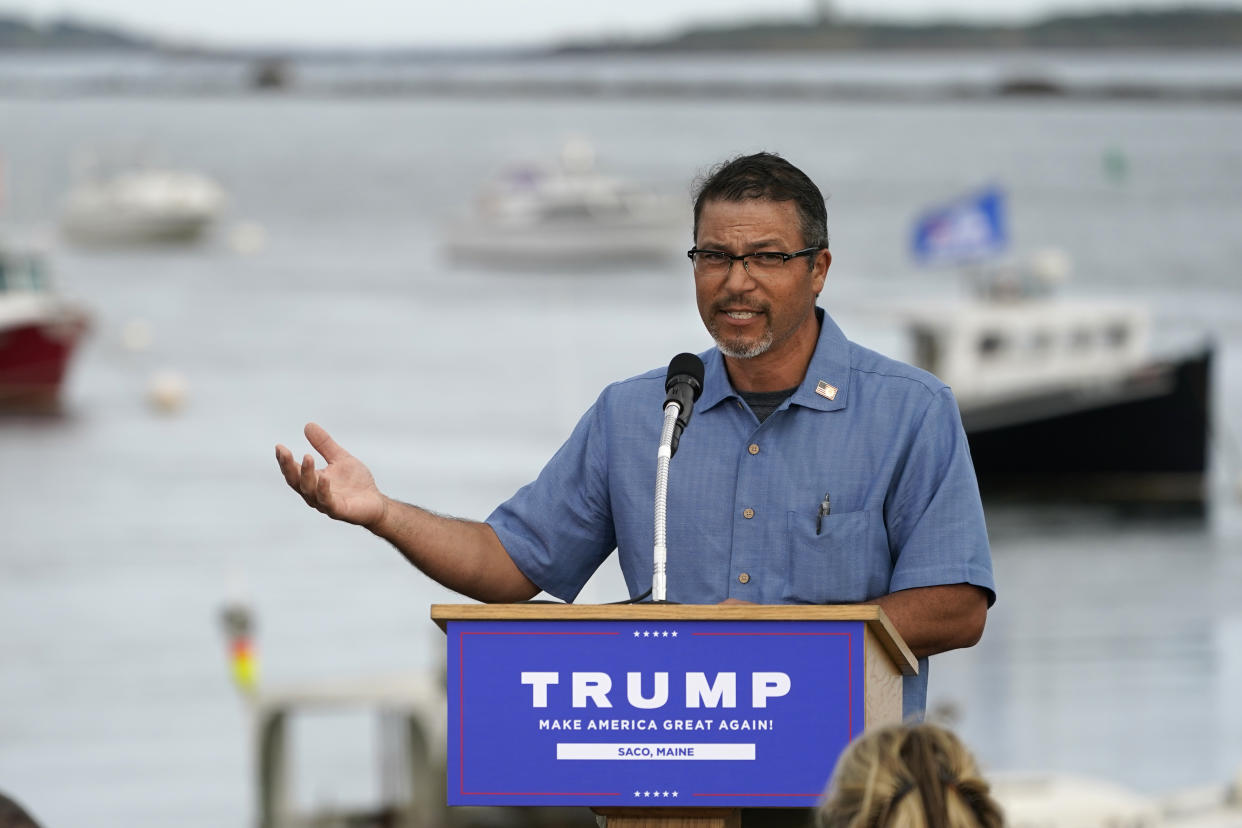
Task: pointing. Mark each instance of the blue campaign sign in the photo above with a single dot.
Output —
(650, 713)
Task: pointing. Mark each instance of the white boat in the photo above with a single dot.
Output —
(1014, 338)
(567, 214)
(1063, 801)
(1051, 800)
(142, 206)
(1061, 398)
(1205, 806)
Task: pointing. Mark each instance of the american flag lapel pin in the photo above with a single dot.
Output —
(825, 389)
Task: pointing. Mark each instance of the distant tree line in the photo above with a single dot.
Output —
(1172, 28)
(20, 34)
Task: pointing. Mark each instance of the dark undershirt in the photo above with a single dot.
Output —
(764, 403)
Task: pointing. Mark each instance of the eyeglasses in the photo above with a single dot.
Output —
(763, 263)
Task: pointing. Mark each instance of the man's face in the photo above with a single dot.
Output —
(752, 316)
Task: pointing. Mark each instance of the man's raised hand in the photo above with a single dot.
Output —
(343, 489)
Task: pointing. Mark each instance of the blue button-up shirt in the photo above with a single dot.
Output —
(881, 439)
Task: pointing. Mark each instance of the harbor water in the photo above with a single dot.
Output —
(1114, 650)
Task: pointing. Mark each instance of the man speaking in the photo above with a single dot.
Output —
(815, 471)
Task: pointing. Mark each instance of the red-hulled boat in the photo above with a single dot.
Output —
(39, 332)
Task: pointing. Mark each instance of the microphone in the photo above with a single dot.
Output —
(684, 384)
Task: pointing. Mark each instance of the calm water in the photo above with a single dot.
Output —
(1116, 646)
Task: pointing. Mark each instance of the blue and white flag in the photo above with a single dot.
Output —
(965, 230)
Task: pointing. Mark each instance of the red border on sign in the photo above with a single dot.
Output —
(461, 724)
(462, 708)
(849, 656)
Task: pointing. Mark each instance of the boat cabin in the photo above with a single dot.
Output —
(989, 351)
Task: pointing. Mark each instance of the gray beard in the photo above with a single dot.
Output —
(748, 352)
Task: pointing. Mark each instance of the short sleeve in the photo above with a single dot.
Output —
(558, 529)
(937, 533)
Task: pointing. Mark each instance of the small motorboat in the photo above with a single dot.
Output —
(142, 206)
(1062, 399)
(567, 215)
(1052, 800)
(39, 333)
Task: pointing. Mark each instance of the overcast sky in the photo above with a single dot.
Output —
(500, 22)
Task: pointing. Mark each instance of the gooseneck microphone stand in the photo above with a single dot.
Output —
(659, 582)
(684, 384)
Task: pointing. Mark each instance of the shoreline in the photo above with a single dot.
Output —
(1025, 88)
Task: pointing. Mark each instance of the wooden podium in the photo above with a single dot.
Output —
(819, 675)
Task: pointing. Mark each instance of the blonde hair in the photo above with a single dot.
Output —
(908, 776)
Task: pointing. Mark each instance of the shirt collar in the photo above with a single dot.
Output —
(825, 386)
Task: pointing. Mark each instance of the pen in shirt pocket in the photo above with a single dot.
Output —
(825, 509)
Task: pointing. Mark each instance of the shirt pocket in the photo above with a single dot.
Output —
(846, 562)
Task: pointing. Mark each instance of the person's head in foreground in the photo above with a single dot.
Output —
(13, 815)
(908, 776)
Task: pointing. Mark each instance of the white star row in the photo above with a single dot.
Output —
(655, 633)
(656, 794)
